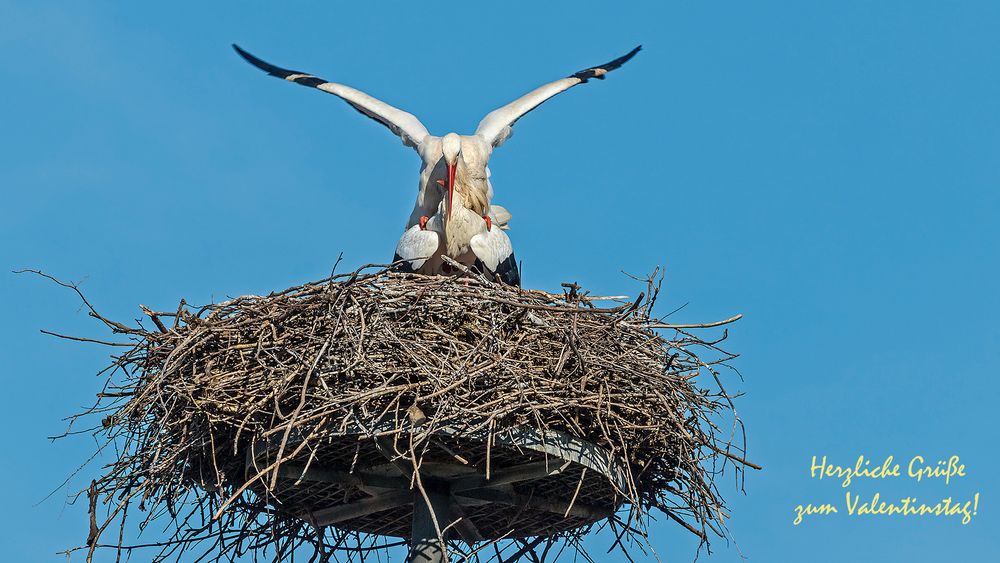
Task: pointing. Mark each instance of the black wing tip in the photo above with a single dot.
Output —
(263, 65)
(401, 265)
(248, 57)
(609, 66)
(508, 272)
(628, 56)
(600, 71)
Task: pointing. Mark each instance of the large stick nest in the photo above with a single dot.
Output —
(380, 354)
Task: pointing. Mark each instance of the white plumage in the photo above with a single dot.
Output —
(468, 170)
(462, 235)
(418, 246)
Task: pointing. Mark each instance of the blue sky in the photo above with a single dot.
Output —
(827, 169)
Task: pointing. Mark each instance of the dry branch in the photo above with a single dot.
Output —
(188, 401)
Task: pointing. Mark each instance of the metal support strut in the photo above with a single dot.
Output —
(425, 546)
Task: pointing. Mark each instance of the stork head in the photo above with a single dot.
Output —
(451, 146)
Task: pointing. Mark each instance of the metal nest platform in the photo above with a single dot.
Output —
(522, 483)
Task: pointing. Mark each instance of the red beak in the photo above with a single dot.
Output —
(451, 186)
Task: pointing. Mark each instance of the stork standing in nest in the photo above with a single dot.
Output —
(462, 228)
(474, 150)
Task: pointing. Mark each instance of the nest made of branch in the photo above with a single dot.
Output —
(188, 397)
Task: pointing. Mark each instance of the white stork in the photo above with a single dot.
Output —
(474, 150)
(457, 231)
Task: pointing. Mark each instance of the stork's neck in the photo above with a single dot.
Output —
(471, 183)
(458, 210)
(461, 226)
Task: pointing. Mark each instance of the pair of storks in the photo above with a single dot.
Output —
(453, 215)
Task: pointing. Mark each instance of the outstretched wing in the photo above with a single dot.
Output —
(495, 128)
(403, 124)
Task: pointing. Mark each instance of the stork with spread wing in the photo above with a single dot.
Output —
(451, 159)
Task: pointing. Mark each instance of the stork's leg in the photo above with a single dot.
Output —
(423, 222)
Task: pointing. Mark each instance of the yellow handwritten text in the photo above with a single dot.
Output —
(910, 507)
(949, 469)
(809, 510)
(862, 468)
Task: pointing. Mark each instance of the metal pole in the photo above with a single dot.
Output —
(425, 547)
